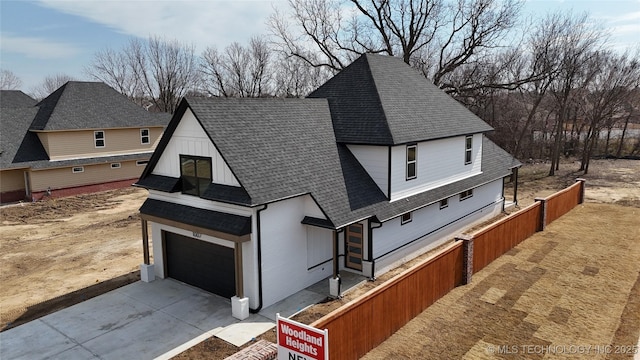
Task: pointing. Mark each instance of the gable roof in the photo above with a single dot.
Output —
(80, 105)
(17, 143)
(380, 100)
(15, 98)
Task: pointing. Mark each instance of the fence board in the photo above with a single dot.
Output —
(500, 237)
(364, 323)
(563, 201)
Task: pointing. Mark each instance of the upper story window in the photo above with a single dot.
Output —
(468, 147)
(195, 173)
(412, 156)
(144, 136)
(98, 137)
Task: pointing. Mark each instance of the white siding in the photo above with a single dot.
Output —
(284, 251)
(440, 224)
(439, 162)
(319, 246)
(190, 139)
(375, 160)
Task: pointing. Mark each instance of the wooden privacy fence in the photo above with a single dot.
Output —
(364, 323)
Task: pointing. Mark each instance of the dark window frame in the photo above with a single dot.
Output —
(407, 220)
(444, 203)
(466, 194)
(195, 184)
(99, 141)
(146, 137)
(411, 164)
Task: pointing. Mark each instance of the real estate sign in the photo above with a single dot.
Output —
(297, 341)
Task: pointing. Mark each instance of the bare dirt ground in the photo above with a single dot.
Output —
(58, 252)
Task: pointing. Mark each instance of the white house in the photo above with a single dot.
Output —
(256, 199)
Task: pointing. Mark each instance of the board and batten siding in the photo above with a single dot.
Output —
(60, 178)
(62, 145)
(285, 251)
(439, 162)
(190, 138)
(12, 180)
(375, 160)
(437, 223)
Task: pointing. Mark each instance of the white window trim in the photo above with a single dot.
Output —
(468, 150)
(116, 165)
(414, 161)
(95, 138)
(77, 169)
(466, 194)
(403, 221)
(148, 136)
(445, 205)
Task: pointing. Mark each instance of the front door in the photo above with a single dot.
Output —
(354, 246)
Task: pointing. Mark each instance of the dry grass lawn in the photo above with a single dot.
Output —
(575, 284)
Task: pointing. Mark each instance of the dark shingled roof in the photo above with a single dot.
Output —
(15, 98)
(160, 183)
(92, 105)
(18, 145)
(381, 100)
(209, 219)
(282, 148)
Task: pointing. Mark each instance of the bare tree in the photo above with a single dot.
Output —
(613, 85)
(114, 69)
(9, 80)
(50, 84)
(238, 71)
(432, 35)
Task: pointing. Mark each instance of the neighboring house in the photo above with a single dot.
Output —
(256, 199)
(85, 136)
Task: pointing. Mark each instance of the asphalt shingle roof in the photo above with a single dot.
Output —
(91, 105)
(381, 100)
(17, 144)
(15, 98)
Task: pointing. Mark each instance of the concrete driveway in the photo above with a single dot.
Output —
(140, 320)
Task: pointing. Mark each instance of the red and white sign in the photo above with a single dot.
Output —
(297, 341)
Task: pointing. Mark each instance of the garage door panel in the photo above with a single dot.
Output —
(201, 264)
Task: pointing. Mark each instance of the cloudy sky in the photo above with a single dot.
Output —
(41, 38)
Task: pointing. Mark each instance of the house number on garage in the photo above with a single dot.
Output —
(197, 235)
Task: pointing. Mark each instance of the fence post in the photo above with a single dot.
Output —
(581, 196)
(543, 213)
(467, 257)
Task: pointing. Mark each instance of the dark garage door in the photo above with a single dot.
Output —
(201, 264)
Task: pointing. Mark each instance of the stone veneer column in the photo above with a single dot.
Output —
(467, 257)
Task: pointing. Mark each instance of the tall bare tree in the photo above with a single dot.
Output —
(50, 84)
(9, 80)
(114, 69)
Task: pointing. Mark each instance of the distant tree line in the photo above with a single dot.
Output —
(551, 87)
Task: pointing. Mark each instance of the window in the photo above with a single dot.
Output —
(99, 138)
(77, 169)
(195, 173)
(115, 165)
(142, 162)
(144, 136)
(411, 161)
(468, 147)
(444, 203)
(406, 218)
(466, 194)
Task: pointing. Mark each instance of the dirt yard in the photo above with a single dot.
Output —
(56, 253)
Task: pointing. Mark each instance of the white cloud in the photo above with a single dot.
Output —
(202, 23)
(37, 48)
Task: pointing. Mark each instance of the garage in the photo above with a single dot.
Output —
(199, 263)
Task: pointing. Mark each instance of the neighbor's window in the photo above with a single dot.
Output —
(142, 162)
(468, 146)
(444, 203)
(411, 161)
(115, 165)
(144, 136)
(98, 136)
(195, 173)
(406, 218)
(466, 194)
(77, 169)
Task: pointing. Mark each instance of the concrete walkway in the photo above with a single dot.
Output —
(154, 320)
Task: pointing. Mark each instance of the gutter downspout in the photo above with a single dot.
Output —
(370, 246)
(259, 245)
